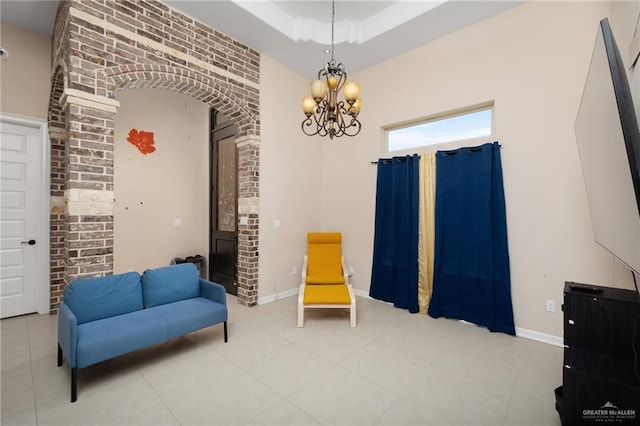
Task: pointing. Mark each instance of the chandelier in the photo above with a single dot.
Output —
(326, 115)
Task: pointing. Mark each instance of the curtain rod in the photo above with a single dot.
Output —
(373, 163)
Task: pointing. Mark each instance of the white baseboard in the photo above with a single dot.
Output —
(539, 337)
(278, 296)
(362, 293)
(520, 332)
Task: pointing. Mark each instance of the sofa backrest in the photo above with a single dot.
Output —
(92, 299)
(170, 284)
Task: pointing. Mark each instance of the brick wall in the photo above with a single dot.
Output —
(100, 47)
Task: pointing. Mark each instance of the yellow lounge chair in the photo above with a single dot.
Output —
(325, 280)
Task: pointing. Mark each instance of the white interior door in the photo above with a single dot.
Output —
(21, 178)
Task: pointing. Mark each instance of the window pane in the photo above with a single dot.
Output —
(227, 184)
(465, 126)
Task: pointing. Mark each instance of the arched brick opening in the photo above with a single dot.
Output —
(184, 81)
(100, 48)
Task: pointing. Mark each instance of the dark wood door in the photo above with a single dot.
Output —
(223, 241)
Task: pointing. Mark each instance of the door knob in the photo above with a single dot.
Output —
(30, 242)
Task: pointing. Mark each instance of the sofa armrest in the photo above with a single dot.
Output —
(68, 333)
(213, 291)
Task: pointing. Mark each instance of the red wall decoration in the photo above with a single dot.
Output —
(142, 140)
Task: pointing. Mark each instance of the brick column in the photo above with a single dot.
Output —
(248, 205)
(88, 196)
(57, 216)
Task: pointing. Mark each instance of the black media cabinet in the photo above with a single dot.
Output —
(600, 379)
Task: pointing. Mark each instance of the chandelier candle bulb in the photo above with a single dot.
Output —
(351, 91)
(332, 82)
(308, 105)
(355, 108)
(358, 105)
(318, 90)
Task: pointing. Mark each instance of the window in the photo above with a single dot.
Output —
(458, 126)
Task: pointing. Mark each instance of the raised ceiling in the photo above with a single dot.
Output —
(296, 33)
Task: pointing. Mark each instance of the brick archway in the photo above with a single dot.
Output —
(105, 47)
(204, 88)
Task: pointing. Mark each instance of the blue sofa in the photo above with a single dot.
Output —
(101, 318)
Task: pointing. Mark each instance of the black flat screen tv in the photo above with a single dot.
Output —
(608, 139)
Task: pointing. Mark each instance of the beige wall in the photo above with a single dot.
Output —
(290, 165)
(154, 190)
(532, 61)
(25, 77)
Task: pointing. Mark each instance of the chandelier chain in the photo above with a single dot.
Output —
(333, 17)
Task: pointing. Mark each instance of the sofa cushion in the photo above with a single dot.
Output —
(170, 284)
(326, 294)
(110, 337)
(190, 315)
(92, 299)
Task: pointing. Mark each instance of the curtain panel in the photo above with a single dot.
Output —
(471, 259)
(426, 229)
(394, 275)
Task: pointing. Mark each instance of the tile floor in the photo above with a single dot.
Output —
(393, 369)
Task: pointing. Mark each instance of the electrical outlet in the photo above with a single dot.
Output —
(551, 305)
(293, 270)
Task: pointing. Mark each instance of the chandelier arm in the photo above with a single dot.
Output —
(308, 122)
(342, 108)
(320, 122)
(319, 118)
(340, 118)
(355, 125)
(341, 72)
(342, 81)
(344, 114)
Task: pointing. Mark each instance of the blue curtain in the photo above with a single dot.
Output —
(394, 276)
(471, 261)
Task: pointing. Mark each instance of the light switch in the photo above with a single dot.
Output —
(244, 220)
(276, 224)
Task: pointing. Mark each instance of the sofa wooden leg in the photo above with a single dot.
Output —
(74, 384)
(59, 356)
(225, 332)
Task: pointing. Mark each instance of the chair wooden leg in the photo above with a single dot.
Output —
(352, 314)
(300, 315)
(59, 356)
(301, 306)
(74, 384)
